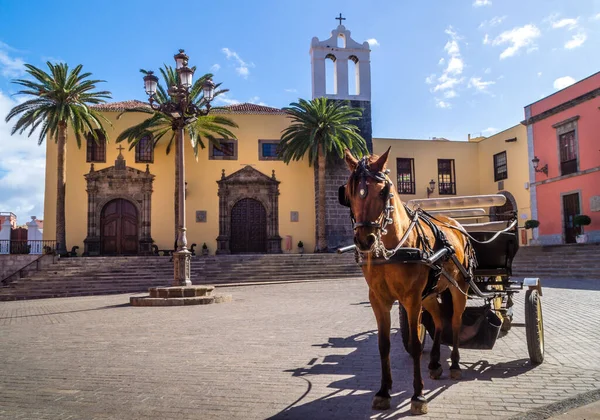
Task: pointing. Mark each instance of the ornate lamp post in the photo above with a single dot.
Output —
(182, 112)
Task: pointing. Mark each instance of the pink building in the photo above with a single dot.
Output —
(10, 216)
(563, 136)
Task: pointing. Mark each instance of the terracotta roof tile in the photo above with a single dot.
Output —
(245, 108)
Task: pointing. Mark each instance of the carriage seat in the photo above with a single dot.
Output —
(494, 258)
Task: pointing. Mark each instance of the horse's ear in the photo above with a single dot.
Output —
(379, 164)
(350, 160)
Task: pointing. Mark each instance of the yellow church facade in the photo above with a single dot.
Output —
(241, 198)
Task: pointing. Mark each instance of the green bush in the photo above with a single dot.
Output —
(204, 246)
(531, 224)
(300, 244)
(582, 220)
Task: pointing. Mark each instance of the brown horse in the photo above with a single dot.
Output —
(371, 195)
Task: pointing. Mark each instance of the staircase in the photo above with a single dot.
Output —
(567, 261)
(105, 275)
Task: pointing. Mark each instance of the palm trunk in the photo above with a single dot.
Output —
(61, 168)
(321, 233)
(176, 196)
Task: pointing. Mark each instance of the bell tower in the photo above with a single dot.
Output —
(349, 81)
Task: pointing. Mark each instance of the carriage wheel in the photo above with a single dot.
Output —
(534, 326)
(404, 330)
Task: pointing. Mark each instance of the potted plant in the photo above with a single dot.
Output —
(301, 247)
(533, 224)
(581, 220)
(204, 249)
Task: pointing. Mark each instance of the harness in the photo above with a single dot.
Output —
(433, 255)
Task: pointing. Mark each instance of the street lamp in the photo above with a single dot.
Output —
(431, 188)
(536, 163)
(182, 112)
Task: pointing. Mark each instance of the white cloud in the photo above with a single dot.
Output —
(563, 82)
(22, 169)
(487, 71)
(518, 38)
(569, 23)
(442, 104)
(450, 77)
(442, 61)
(373, 42)
(576, 41)
(479, 3)
(495, 21)
(215, 68)
(291, 90)
(539, 74)
(479, 85)
(243, 67)
(10, 66)
(449, 94)
(595, 17)
(256, 100)
(486, 39)
(224, 99)
(489, 130)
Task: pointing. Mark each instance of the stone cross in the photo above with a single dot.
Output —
(340, 18)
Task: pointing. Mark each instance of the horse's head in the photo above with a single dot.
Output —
(367, 193)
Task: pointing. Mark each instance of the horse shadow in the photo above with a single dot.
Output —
(359, 371)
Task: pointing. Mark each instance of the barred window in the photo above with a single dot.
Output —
(406, 175)
(446, 177)
(268, 150)
(500, 166)
(144, 150)
(226, 150)
(96, 149)
(568, 153)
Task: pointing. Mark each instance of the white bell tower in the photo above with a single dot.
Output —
(341, 49)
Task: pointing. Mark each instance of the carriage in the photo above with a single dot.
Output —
(492, 279)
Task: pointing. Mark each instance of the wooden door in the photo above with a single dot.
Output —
(570, 210)
(119, 228)
(248, 227)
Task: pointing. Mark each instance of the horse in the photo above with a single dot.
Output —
(383, 223)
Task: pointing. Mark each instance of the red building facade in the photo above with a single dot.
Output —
(563, 135)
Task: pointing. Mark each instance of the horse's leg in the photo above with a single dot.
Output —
(459, 303)
(382, 399)
(418, 403)
(433, 307)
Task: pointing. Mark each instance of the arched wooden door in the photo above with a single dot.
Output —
(119, 228)
(248, 227)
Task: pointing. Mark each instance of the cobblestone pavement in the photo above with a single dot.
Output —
(284, 351)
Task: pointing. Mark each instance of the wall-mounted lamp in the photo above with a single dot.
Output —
(431, 188)
(536, 163)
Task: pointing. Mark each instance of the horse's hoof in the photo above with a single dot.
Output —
(418, 407)
(436, 373)
(381, 403)
(455, 373)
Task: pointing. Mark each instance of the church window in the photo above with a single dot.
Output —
(353, 76)
(330, 75)
(144, 150)
(226, 150)
(500, 166)
(406, 175)
(341, 41)
(267, 150)
(96, 149)
(446, 177)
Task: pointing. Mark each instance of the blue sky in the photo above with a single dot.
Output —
(439, 68)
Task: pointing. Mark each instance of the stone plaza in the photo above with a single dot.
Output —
(305, 350)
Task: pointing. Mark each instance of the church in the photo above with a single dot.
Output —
(241, 198)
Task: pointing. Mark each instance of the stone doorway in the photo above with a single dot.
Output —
(248, 212)
(119, 228)
(248, 227)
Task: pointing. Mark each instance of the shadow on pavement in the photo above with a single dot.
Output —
(573, 284)
(359, 371)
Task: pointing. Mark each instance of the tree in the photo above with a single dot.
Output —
(321, 128)
(161, 126)
(61, 98)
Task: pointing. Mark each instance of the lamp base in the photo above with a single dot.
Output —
(181, 265)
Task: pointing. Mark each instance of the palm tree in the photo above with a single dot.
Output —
(61, 98)
(322, 128)
(161, 125)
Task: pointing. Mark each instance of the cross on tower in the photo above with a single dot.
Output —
(340, 18)
(120, 149)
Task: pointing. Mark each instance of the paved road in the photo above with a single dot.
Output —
(287, 351)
